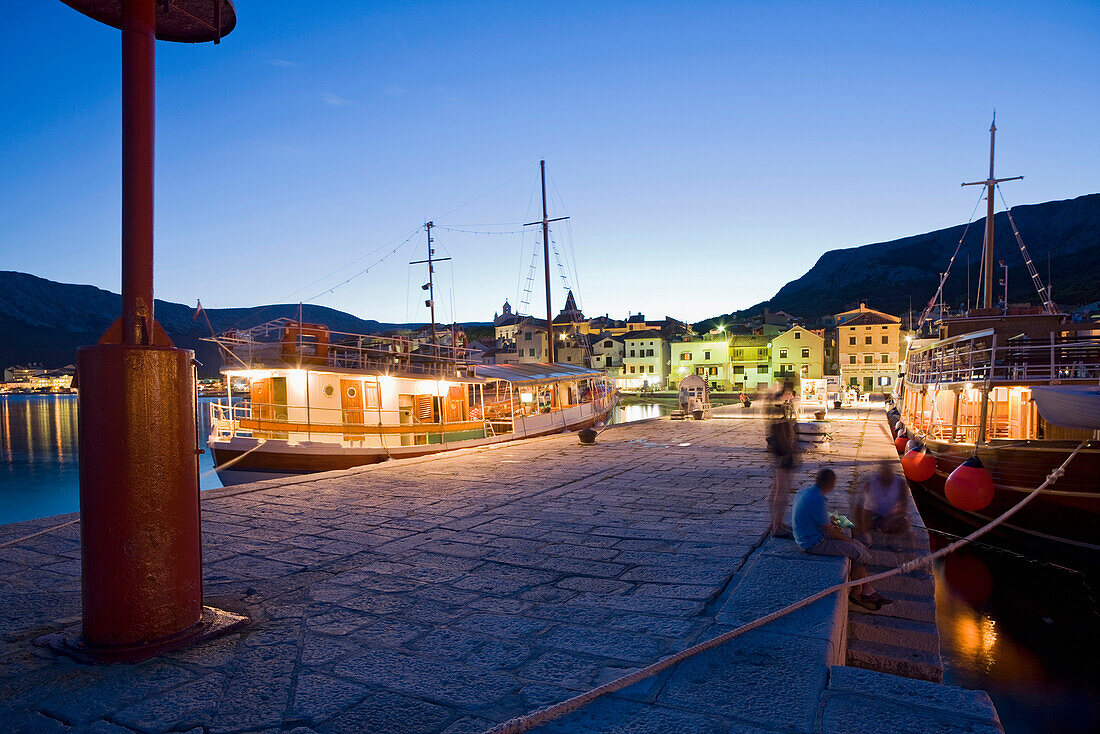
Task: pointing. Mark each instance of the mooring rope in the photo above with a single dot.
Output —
(527, 722)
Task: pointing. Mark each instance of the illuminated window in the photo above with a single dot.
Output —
(782, 353)
(685, 356)
(805, 353)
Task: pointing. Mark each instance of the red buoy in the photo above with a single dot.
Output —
(918, 464)
(970, 486)
(899, 443)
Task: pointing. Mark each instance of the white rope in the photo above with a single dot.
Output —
(527, 722)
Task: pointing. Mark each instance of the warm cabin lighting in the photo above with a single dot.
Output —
(526, 397)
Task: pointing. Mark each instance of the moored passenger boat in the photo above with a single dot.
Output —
(319, 400)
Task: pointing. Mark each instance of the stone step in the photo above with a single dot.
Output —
(893, 631)
(924, 586)
(885, 658)
(916, 607)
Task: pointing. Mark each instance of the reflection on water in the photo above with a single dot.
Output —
(1025, 632)
(637, 412)
(38, 456)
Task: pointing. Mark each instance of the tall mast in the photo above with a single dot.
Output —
(546, 263)
(989, 183)
(430, 285)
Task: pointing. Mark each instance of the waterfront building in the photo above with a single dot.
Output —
(707, 356)
(868, 349)
(796, 354)
(750, 361)
(607, 352)
(570, 320)
(645, 361)
(506, 324)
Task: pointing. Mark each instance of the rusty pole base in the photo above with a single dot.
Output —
(68, 642)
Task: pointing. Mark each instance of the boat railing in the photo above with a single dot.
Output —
(982, 359)
(288, 343)
(249, 419)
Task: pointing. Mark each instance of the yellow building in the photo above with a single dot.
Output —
(796, 354)
(868, 344)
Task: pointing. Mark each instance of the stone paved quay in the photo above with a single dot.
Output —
(450, 593)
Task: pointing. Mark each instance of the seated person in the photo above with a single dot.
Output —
(815, 533)
(882, 504)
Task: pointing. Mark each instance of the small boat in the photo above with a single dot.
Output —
(1014, 386)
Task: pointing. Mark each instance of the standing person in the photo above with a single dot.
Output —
(783, 445)
(815, 533)
(882, 504)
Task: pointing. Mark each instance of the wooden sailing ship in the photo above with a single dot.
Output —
(972, 391)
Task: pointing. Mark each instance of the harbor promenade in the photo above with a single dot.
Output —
(452, 593)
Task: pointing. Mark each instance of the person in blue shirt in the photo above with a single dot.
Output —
(815, 533)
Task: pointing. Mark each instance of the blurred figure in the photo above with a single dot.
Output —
(882, 504)
(815, 533)
(783, 445)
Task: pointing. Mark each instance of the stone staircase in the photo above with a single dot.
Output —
(901, 638)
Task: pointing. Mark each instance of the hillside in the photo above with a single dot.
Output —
(887, 274)
(43, 321)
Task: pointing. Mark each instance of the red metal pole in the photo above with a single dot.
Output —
(141, 561)
(138, 98)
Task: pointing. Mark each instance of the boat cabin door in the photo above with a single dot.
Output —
(268, 396)
(351, 404)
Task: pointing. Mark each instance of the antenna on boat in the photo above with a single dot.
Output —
(546, 263)
(989, 183)
(430, 285)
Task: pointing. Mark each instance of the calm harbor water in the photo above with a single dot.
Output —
(1021, 628)
(38, 469)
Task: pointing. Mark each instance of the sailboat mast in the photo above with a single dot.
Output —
(431, 278)
(546, 267)
(990, 183)
(430, 285)
(987, 260)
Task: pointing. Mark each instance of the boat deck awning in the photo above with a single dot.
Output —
(534, 372)
(1069, 406)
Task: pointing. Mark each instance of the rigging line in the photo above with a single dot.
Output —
(1044, 294)
(947, 270)
(569, 233)
(347, 265)
(365, 270)
(490, 191)
(487, 224)
(475, 231)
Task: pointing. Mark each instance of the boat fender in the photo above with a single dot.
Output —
(900, 443)
(970, 486)
(912, 444)
(918, 465)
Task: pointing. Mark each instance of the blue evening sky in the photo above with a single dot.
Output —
(706, 152)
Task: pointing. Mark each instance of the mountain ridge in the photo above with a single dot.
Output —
(886, 274)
